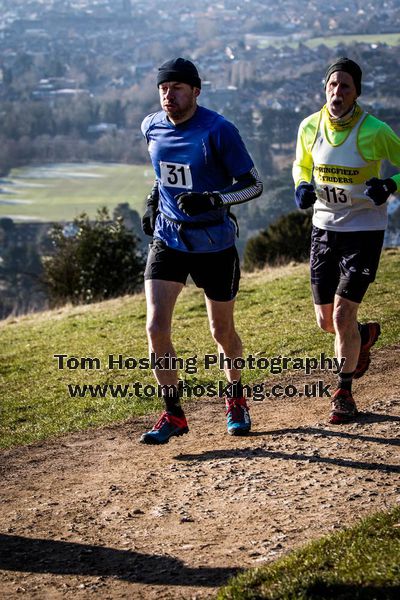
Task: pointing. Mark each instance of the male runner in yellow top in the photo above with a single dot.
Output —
(337, 171)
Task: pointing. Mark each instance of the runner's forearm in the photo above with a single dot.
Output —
(246, 187)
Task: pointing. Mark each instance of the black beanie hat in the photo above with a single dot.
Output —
(179, 69)
(349, 66)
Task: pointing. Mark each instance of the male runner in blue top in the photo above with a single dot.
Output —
(202, 167)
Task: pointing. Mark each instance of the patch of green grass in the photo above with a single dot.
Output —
(274, 316)
(391, 39)
(359, 563)
(60, 192)
(331, 41)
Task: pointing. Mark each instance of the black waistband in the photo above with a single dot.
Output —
(193, 224)
(182, 225)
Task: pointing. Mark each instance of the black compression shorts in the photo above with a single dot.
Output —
(343, 263)
(218, 273)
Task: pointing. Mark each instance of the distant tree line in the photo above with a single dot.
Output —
(35, 131)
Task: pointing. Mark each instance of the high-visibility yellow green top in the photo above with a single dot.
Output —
(376, 142)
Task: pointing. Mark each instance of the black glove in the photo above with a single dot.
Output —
(379, 190)
(149, 217)
(193, 203)
(305, 195)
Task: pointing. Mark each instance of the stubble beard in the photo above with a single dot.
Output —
(179, 114)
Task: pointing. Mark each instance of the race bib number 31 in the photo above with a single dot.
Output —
(176, 175)
(334, 196)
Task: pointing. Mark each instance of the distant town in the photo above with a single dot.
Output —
(92, 46)
(77, 76)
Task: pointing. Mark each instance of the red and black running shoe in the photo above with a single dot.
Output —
(364, 358)
(343, 407)
(167, 426)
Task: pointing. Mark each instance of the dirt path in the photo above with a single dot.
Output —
(98, 515)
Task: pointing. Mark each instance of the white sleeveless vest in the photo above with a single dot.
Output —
(340, 173)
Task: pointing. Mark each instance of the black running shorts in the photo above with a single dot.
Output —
(218, 273)
(343, 263)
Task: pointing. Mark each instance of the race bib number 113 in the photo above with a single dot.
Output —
(334, 196)
(176, 175)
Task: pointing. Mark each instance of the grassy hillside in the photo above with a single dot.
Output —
(359, 563)
(274, 316)
(60, 192)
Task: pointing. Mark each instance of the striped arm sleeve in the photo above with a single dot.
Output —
(247, 187)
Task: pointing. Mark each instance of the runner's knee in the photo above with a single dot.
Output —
(343, 318)
(325, 323)
(157, 329)
(221, 333)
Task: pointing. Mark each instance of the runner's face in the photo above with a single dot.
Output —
(341, 93)
(178, 100)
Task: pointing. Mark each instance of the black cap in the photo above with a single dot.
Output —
(349, 66)
(179, 69)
